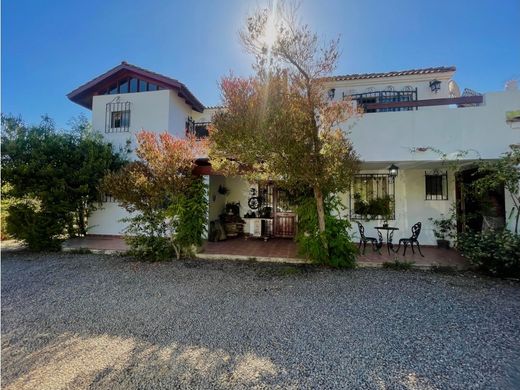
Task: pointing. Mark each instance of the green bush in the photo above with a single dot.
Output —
(341, 252)
(39, 229)
(149, 237)
(175, 229)
(494, 252)
(189, 214)
(59, 171)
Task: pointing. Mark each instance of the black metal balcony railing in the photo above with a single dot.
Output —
(365, 99)
(198, 129)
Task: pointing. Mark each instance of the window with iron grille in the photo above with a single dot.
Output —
(372, 194)
(117, 117)
(436, 184)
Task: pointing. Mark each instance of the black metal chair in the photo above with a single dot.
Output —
(376, 244)
(416, 230)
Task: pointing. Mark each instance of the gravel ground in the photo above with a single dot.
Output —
(88, 321)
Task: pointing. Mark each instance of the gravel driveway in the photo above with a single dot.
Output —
(78, 321)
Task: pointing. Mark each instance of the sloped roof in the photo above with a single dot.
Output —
(83, 94)
(409, 72)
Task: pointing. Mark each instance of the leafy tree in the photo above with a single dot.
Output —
(279, 124)
(168, 203)
(55, 175)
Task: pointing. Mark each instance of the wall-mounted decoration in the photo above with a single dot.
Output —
(223, 190)
(435, 86)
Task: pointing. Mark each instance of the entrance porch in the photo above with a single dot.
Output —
(279, 249)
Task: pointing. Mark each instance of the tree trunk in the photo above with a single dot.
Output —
(318, 195)
(81, 219)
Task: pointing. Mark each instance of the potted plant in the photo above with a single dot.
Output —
(443, 230)
(380, 207)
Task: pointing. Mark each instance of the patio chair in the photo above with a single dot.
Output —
(376, 244)
(416, 230)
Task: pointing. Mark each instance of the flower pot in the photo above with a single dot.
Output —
(445, 244)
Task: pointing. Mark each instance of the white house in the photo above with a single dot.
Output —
(410, 116)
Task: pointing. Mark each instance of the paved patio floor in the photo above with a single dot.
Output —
(280, 248)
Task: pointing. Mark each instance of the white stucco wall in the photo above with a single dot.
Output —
(389, 136)
(421, 82)
(156, 111)
(238, 192)
(410, 206)
(148, 111)
(107, 220)
(178, 112)
(217, 201)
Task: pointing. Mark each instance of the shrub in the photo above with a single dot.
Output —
(341, 252)
(39, 229)
(169, 202)
(59, 171)
(494, 252)
(149, 237)
(189, 214)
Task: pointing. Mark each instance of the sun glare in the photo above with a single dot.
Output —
(271, 27)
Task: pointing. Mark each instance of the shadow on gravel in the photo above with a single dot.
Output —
(88, 321)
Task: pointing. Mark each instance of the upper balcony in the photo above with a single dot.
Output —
(198, 129)
(477, 124)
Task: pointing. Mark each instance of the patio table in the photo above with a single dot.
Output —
(388, 240)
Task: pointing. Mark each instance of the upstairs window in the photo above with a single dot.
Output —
(120, 119)
(131, 85)
(117, 117)
(436, 184)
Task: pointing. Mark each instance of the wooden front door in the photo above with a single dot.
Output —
(284, 215)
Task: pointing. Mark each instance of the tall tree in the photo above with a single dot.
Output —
(280, 124)
(57, 173)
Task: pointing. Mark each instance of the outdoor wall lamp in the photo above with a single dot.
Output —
(332, 93)
(435, 86)
(393, 171)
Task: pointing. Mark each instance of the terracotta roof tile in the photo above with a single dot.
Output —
(82, 94)
(361, 76)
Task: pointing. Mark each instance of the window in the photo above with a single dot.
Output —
(123, 86)
(133, 85)
(372, 195)
(120, 119)
(117, 116)
(436, 185)
(126, 85)
(112, 89)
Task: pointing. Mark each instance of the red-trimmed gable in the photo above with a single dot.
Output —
(98, 86)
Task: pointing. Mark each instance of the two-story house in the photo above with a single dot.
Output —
(415, 124)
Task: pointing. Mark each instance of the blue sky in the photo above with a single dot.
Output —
(51, 47)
